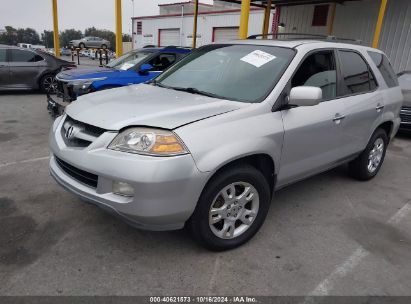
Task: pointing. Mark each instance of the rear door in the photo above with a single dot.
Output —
(313, 134)
(25, 68)
(362, 99)
(4, 69)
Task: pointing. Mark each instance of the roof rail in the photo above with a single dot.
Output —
(293, 36)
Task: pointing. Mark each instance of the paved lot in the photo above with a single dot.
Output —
(326, 235)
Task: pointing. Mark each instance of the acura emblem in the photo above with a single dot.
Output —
(70, 132)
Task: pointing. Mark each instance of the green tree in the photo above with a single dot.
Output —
(47, 38)
(9, 37)
(67, 35)
(13, 36)
(127, 38)
(28, 35)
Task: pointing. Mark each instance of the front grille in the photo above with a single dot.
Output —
(81, 134)
(405, 115)
(81, 176)
(65, 91)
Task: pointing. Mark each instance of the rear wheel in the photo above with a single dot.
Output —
(48, 84)
(231, 208)
(369, 162)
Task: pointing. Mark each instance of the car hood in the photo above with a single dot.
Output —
(146, 105)
(87, 73)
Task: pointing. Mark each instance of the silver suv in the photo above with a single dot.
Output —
(208, 142)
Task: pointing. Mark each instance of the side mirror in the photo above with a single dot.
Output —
(145, 68)
(305, 96)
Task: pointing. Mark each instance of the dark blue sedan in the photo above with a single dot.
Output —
(134, 67)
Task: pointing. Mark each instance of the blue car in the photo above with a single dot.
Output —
(134, 67)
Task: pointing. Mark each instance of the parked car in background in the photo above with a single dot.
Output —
(404, 79)
(134, 67)
(65, 52)
(205, 144)
(90, 42)
(28, 69)
(31, 46)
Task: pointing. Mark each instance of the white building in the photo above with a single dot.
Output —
(354, 19)
(216, 22)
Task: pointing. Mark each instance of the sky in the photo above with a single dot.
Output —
(77, 14)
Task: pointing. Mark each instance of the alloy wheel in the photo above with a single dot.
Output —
(50, 84)
(375, 155)
(233, 210)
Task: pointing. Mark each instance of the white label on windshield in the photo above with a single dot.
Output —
(258, 58)
(126, 65)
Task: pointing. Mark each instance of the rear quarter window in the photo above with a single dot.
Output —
(357, 76)
(385, 68)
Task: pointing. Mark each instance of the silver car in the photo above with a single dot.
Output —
(90, 42)
(208, 142)
(404, 79)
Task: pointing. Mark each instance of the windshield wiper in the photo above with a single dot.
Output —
(197, 91)
(188, 90)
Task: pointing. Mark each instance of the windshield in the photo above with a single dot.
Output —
(244, 73)
(128, 60)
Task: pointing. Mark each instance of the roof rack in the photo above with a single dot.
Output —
(300, 36)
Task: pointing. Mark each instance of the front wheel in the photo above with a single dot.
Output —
(231, 208)
(369, 162)
(103, 46)
(48, 84)
(81, 45)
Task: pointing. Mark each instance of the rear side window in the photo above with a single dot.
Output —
(386, 70)
(24, 56)
(357, 76)
(3, 55)
(162, 61)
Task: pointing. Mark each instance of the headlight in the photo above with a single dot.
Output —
(83, 84)
(148, 141)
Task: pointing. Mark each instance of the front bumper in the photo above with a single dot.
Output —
(166, 189)
(54, 107)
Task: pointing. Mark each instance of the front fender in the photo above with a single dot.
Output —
(217, 141)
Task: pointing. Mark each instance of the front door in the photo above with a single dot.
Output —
(313, 134)
(24, 68)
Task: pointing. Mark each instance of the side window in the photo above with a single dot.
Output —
(318, 70)
(3, 55)
(162, 61)
(357, 76)
(24, 56)
(386, 70)
(38, 58)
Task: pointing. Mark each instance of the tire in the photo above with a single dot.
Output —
(103, 46)
(48, 84)
(369, 162)
(233, 211)
(82, 45)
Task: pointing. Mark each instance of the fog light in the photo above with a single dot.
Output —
(123, 189)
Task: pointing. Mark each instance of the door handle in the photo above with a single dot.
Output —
(338, 117)
(379, 107)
